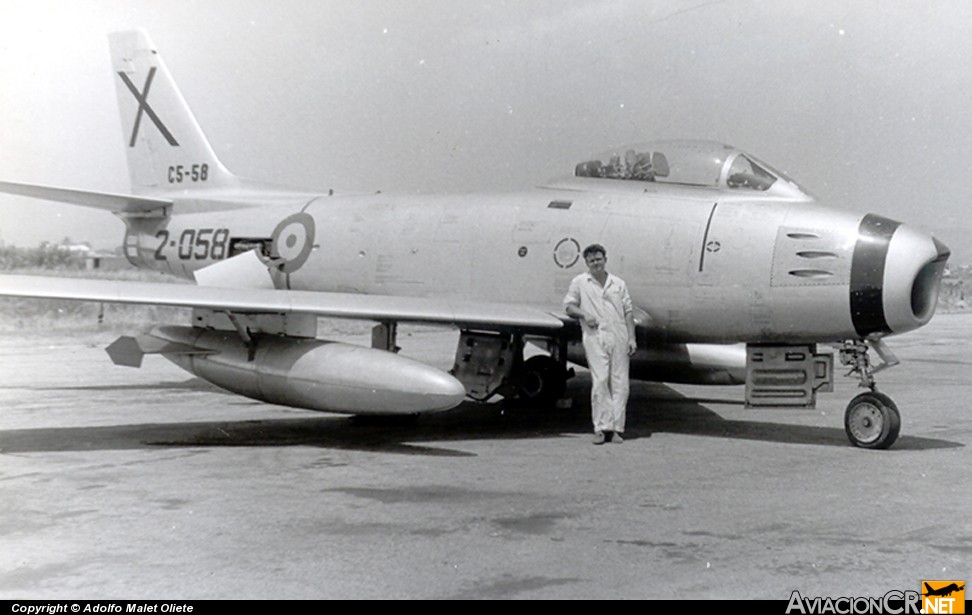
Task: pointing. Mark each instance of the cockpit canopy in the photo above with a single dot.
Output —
(688, 163)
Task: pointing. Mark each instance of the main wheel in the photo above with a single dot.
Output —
(872, 420)
(543, 380)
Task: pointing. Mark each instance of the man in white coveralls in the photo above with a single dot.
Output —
(600, 301)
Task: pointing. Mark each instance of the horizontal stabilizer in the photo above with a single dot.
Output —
(442, 310)
(116, 203)
(128, 351)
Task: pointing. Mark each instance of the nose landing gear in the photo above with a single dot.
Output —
(871, 420)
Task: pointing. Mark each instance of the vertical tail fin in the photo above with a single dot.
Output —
(165, 147)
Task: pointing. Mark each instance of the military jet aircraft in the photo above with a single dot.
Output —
(738, 275)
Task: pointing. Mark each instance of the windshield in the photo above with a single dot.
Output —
(744, 173)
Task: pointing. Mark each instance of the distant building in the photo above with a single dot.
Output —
(90, 259)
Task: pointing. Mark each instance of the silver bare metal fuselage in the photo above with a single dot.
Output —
(705, 265)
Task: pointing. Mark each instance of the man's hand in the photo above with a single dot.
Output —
(574, 311)
(632, 347)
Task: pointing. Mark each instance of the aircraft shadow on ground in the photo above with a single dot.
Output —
(653, 408)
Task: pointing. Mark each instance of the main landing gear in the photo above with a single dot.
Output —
(543, 380)
(871, 420)
(492, 363)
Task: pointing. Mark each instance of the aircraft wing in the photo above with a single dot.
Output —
(248, 300)
(118, 203)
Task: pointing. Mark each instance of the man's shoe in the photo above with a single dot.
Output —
(598, 438)
(617, 438)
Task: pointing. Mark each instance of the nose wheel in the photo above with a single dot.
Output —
(872, 420)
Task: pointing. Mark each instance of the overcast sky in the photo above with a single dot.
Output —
(865, 103)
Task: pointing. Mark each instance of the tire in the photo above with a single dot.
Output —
(872, 421)
(542, 381)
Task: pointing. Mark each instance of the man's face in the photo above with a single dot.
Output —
(595, 262)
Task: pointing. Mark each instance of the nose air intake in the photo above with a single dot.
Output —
(924, 292)
(896, 273)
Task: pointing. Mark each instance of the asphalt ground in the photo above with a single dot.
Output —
(150, 483)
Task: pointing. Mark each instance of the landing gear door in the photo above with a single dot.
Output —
(787, 376)
(484, 362)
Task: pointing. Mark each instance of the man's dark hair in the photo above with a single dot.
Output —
(594, 248)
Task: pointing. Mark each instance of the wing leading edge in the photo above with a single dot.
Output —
(337, 305)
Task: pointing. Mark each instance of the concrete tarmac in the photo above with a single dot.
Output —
(150, 483)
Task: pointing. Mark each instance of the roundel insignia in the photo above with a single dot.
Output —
(566, 252)
(292, 241)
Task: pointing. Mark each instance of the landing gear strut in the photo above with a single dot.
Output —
(871, 420)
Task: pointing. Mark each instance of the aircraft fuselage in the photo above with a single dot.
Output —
(704, 264)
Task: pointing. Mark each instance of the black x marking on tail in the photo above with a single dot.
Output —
(142, 98)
